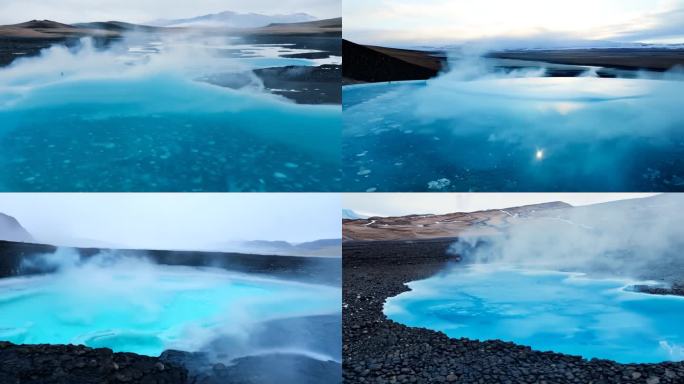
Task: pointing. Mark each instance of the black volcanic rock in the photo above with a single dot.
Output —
(675, 289)
(365, 64)
(304, 84)
(72, 364)
(11, 230)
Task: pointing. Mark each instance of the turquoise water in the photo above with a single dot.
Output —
(147, 309)
(515, 134)
(91, 120)
(549, 311)
(164, 133)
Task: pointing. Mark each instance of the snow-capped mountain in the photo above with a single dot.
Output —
(230, 19)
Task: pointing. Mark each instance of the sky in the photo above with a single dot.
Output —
(399, 204)
(434, 22)
(195, 221)
(141, 11)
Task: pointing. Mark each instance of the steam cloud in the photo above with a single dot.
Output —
(161, 77)
(632, 238)
(536, 109)
(246, 326)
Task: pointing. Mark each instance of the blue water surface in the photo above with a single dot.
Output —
(549, 311)
(147, 310)
(162, 132)
(515, 134)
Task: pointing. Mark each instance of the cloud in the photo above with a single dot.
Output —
(442, 22)
(73, 11)
(653, 27)
(174, 220)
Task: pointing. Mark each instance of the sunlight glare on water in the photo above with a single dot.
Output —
(604, 134)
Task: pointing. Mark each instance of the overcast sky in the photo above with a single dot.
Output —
(399, 204)
(175, 221)
(456, 21)
(140, 11)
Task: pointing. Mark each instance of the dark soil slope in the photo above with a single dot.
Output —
(374, 64)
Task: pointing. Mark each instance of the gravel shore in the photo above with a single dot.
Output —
(71, 364)
(378, 350)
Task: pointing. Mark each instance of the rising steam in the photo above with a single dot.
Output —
(634, 238)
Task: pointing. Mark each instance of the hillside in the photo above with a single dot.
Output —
(440, 226)
(12, 230)
(364, 63)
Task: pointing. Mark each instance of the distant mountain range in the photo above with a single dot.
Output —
(11, 230)
(493, 221)
(316, 248)
(230, 19)
(223, 22)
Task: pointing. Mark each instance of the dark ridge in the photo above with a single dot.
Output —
(325, 23)
(42, 24)
(376, 64)
(653, 59)
(308, 269)
(321, 243)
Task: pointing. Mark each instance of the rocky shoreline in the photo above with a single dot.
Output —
(224, 360)
(78, 364)
(71, 364)
(378, 350)
(301, 84)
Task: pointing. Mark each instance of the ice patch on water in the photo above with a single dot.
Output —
(439, 184)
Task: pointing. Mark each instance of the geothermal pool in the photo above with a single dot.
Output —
(549, 311)
(514, 134)
(92, 120)
(147, 309)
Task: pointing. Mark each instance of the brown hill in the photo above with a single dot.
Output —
(49, 30)
(365, 63)
(42, 24)
(440, 226)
